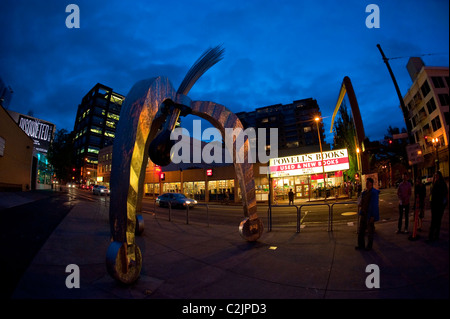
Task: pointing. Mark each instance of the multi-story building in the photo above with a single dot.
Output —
(297, 130)
(427, 102)
(94, 128)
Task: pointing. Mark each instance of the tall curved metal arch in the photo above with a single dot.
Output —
(347, 88)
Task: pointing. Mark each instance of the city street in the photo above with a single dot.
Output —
(314, 213)
(197, 261)
(28, 226)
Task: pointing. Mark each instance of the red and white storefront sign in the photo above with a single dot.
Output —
(308, 164)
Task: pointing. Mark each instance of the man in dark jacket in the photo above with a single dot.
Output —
(369, 214)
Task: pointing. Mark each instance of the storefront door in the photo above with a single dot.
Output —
(301, 191)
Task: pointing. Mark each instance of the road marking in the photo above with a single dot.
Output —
(306, 213)
(349, 213)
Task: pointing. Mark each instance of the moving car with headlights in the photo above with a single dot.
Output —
(100, 190)
(175, 200)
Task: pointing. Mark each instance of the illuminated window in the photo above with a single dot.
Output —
(109, 134)
(110, 124)
(96, 129)
(113, 116)
(92, 149)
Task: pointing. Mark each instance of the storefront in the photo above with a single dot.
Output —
(42, 134)
(304, 174)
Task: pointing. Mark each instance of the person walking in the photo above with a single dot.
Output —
(291, 197)
(369, 214)
(404, 196)
(438, 199)
(420, 192)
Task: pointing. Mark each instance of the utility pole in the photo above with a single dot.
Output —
(402, 104)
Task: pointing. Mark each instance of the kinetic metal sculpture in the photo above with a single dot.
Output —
(148, 116)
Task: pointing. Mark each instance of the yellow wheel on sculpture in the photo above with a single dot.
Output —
(124, 262)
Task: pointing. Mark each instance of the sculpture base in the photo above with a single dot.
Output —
(122, 263)
(251, 229)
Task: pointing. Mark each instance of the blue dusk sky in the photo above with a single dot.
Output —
(276, 51)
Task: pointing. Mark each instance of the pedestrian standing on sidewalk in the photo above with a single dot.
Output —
(420, 191)
(438, 199)
(369, 214)
(404, 196)
(291, 197)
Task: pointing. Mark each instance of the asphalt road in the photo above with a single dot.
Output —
(311, 213)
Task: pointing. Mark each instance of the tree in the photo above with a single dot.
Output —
(60, 154)
(345, 137)
(393, 149)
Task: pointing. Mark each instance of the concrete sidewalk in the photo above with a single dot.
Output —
(199, 262)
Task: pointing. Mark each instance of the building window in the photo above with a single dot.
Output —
(99, 111)
(97, 120)
(436, 123)
(431, 105)
(444, 99)
(96, 129)
(2, 146)
(95, 140)
(438, 82)
(93, 149)
(425, 88)
(111, 124)
(113, 116)
(109, 134)
(413, 121)
(426, 129)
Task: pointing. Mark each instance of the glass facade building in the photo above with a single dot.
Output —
(95, 126)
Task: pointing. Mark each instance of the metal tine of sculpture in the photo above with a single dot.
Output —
(148, 116)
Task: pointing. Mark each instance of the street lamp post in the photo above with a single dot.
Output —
(321, 155)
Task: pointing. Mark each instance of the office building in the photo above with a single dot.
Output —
(297, 130)
(95, 126)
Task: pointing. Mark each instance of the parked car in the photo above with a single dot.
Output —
(175, 200)
(100, 190)
(427, 180)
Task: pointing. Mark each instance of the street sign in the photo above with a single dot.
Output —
(415, 155)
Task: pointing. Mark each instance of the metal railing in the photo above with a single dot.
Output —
(187, 209)
(317, 204)
(299, 212)
(269, 215)
(330, 218)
